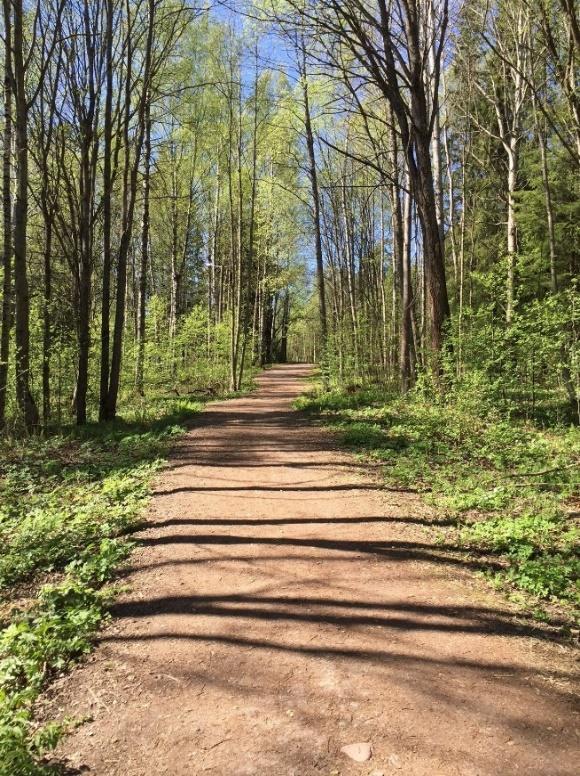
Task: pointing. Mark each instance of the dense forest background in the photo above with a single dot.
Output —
(169, 172)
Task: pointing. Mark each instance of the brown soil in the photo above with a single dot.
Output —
(283, 606)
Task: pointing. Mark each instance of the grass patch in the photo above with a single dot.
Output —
(510, 488)
(68, 503)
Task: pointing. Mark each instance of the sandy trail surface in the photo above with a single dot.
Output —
(282, 606)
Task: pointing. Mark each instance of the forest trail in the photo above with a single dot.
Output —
(282, 606)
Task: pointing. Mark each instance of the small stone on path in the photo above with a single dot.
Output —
(360, 753)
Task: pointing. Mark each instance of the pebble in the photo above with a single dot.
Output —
(360, 752)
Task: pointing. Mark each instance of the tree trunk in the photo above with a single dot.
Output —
(7, 249)
(283, 349)
(249, 269)
(24, 396)
(87, 182)
(84, 302)
(107, 198)
(85, 260)
(350, 273)
(46, 322)
(313, 175)
(130, 197)
(548, 205)
(407, 346)
(421, 178)
(144, 254)
(511, 228)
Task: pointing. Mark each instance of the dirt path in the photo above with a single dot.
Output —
(282, 607)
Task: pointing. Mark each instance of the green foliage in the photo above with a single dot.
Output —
(34, 647)
(504, 483)
(64, 493)
(196, 359)
(528, 369)
(67, 503)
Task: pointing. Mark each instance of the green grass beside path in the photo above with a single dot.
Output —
(509, 490)
(68, 504)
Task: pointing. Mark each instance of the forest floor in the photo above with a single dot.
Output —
(282, 606)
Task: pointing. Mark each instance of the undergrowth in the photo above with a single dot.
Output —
(509, 488)
(68, 503)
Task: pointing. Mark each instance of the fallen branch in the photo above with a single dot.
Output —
(544, 471)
